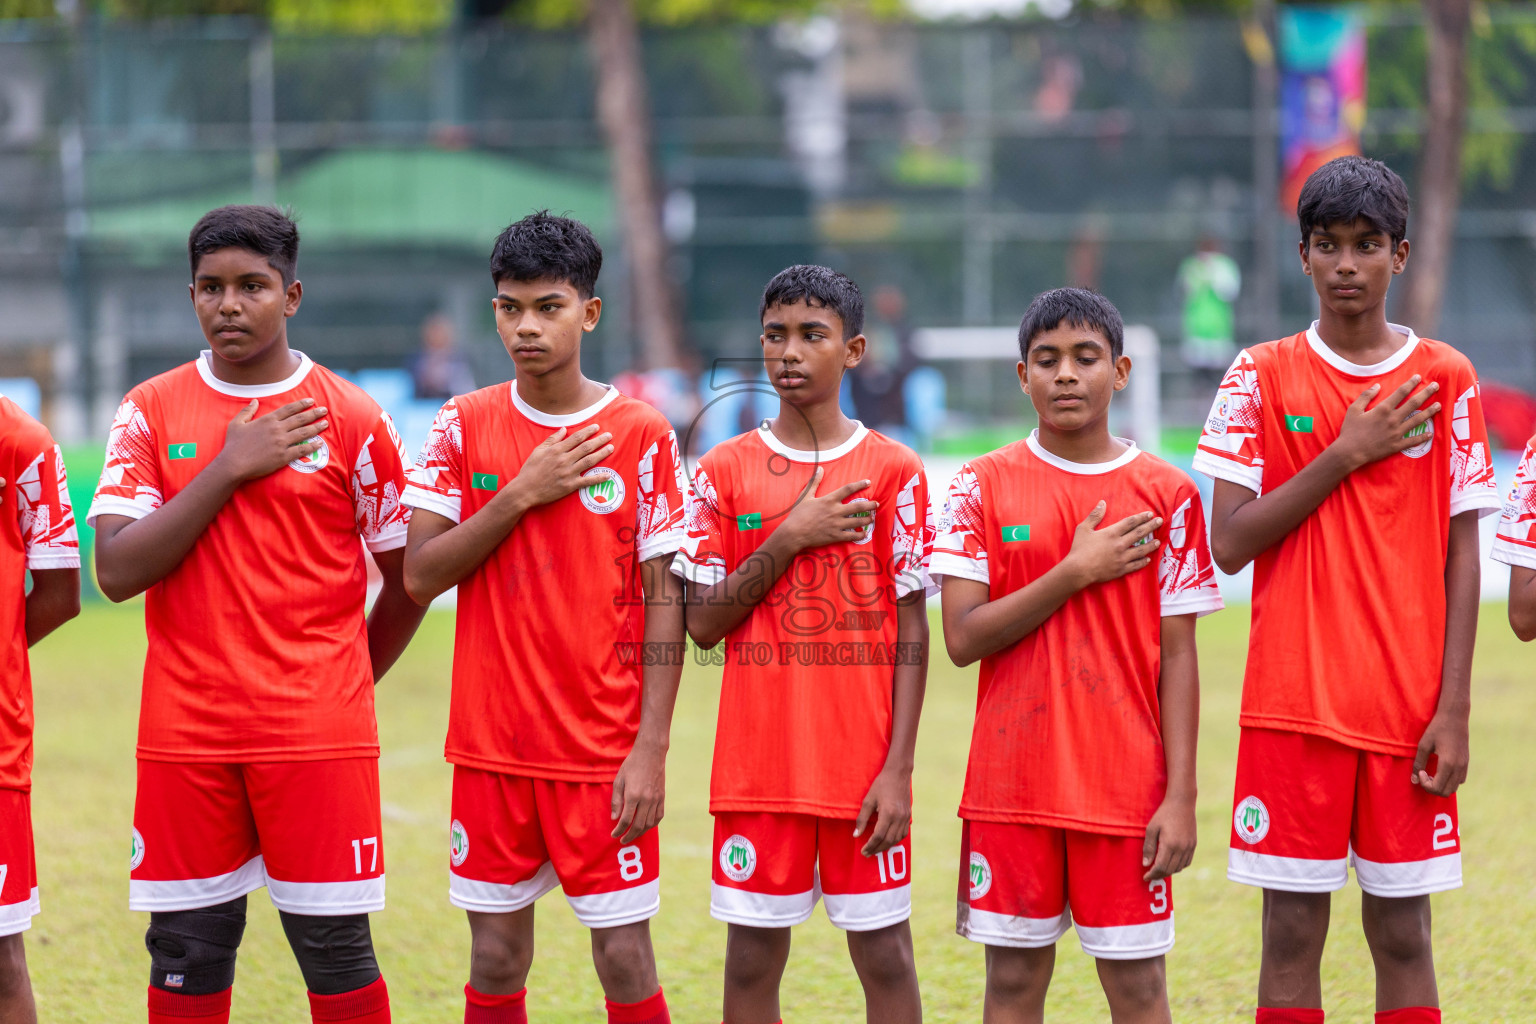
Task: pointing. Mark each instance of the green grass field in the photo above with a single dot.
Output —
(89, 965)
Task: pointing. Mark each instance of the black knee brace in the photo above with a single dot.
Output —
(335, 953)
(193, 951)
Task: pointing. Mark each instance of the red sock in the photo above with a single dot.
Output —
(1409, 1015)
(646, 1011)
(175, 1008)
(1293, 1015)
(366, 1005)
(480, 1008)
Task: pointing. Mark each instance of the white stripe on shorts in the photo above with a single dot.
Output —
(1412, 878)
(1127, 942)
(1287, 874)
(866, 911)
(327, 899)
(497, 898)
(17, 917)
(993, 929)
(620, 907)
(196, 893)
(759, 910)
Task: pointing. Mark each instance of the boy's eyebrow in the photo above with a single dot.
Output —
(504, 297)
(262, 274)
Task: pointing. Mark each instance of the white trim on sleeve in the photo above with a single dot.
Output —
(950, 563)
(1218, 468)
(390, 539)
(1513, 554)
(1197, 603)
(702, 573)
(415, 496)
(662, 544)
(111, 505)
(54, 561)
(1484, 499)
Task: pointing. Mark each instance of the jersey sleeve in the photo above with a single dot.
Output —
(659, 507)
(960, 548)
(1232, 442)
(1472, 483)
(130, 477)
(1186, 574)
(46, 517)
(701, 559)
(436, 482)
(912, 533)
(378, 478)
(1515, 543)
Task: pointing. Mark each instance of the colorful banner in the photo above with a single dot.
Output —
(1322, 91)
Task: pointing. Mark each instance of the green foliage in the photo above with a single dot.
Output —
(557, 13)
(362, 17)
(26, 9)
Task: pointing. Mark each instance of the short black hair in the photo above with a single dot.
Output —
(542, 246)
(264, 230)
(817, 286)
(1076, 307)
(1350, 188)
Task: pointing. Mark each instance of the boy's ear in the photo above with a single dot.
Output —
(853, 352)
(1306, 257)
(293, 295)
(1023, 377)
(591, 312)
(1122, 372)
(1400, 257)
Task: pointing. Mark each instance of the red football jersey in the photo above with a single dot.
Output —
(1068, 728)
(1365, 572)
(37, 531)
(806, 701)
(258, 649)
(1516, 540)
(547, 662)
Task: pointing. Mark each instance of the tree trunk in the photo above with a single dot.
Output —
(1434, 230)
(624, 113)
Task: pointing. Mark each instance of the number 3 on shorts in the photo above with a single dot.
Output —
(1159, 891)
(629, 863)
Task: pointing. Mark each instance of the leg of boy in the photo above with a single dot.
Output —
(1017, 980)
(754, 966)
(626, 965)
(16, 1005)
(1137, 990)
(888, 972)
(500, 952)
(1398, 933)
(870, 898)
(1295, 927)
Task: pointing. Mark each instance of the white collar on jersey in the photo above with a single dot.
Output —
(293, 380)
(547, 419)
(1082, 468)
(1343, 365)
(860, 432)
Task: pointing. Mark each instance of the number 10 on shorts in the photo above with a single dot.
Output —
(357, 854)
(892, 864)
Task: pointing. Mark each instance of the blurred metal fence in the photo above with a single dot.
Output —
(970, 167)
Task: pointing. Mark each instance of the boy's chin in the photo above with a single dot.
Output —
(243, 351)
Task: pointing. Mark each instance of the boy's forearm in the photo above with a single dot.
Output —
(1463, 584)
(54, 600)
(1522, 602)
(141, 552)
(994, 625)
(716, 610)
(1179, 701)
(910, 681)
(442, 561)
(394, 618)
(1259, 523)
(662, 667)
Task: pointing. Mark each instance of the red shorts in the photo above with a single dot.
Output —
(1024, 885)
(204, 834)
(18, 865)
(1306, 807)
(514, 838)
(770, 869)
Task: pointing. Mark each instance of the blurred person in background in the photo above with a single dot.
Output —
(440, 370)
(1209, 283)
(877, 385)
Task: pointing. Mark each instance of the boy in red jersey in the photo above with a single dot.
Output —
(555, 505)
(1351, 466)
(808, 543)
(1515, 546)
(37, 536)
(1079, 800)
(239, 491)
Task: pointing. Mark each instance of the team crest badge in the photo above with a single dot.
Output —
(1251, 819)
(458, 843)
(738, 858)
(1426, 433)
(136, 855)
(606, 493)
(981, 876)
(315, 461)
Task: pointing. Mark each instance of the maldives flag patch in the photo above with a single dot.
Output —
(749, 521)
(1299, 424)
(1015, 533)
(482, 481)
(184, 450)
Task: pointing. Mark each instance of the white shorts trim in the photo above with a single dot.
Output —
(1287, 874)
(759, 910)
(497, 898)
(327, 899)
(867, 911)
(617, 908)
(1411, 878)
(196, 893)
(17, 917)
(992, 929)
(1127, 942)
